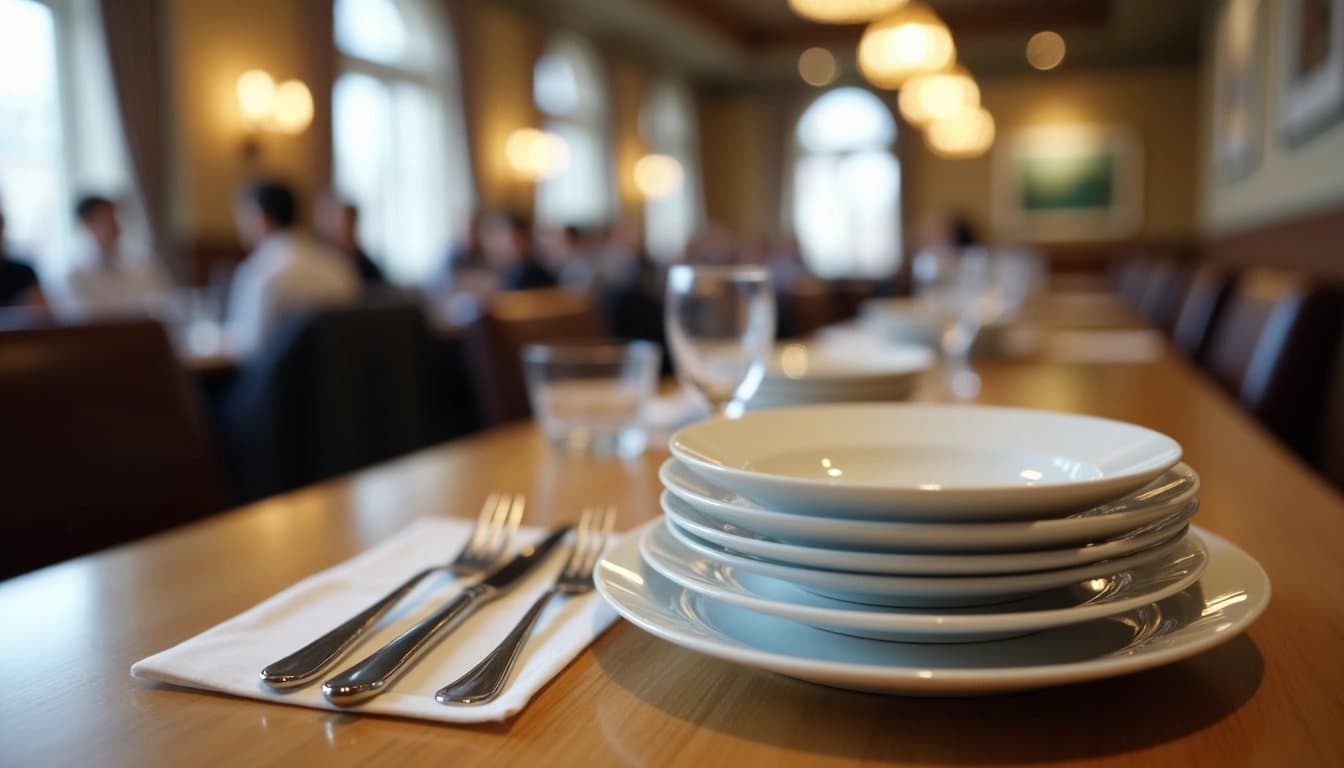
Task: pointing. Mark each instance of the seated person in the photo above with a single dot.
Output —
(338, 226)
(18, 281)
(287, 272)
(101, 279)
(506, 244)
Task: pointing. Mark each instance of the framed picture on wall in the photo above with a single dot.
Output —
(1310, 67)
(1073, 182)
(1238, 113)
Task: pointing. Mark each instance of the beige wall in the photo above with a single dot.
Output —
(211, 44)
(1157, 105)
(504, 46)
(1288, 180)
(735, 161)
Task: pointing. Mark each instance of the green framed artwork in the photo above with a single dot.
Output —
(1068, 183)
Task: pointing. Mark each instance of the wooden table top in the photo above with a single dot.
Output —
(1271, 697)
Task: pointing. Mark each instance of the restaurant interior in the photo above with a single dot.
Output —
(914, 349)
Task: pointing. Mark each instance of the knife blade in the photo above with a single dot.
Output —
(376, 672)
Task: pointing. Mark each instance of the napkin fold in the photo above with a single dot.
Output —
(229, 657)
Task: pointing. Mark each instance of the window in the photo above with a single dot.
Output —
(846, 186)
(667, 125)
(567, 88)
(60, 133)
(400, 147)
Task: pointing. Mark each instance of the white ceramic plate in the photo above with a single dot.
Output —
(924, 462)
(928, 591)
(1231, 594)
(1169, 494)
(1079, 602)
(752, 544)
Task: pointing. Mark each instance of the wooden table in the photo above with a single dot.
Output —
(1272, 697)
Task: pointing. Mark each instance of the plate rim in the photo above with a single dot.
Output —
(908, 680)
(893, 620)
(1170, 456)
(1016, 530)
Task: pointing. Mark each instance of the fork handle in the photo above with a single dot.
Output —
(378, 670)
(484, 682)
(310, 661)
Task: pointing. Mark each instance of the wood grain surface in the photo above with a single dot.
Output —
(1272, 697)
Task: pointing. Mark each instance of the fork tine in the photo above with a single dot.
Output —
(515, 518)
(580, 534)
(483, 522)
(599, 542)
(495, 543)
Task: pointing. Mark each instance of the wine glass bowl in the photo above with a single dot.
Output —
(721, 328)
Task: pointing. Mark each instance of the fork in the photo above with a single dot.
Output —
(485, 681)
(495, 525)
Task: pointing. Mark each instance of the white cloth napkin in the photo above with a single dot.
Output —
(229, 656)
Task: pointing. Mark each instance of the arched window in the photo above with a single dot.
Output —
(846, 185)
(667, 125)
(568, 89)
(399, 142)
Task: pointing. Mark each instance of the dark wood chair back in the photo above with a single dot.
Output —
(1134, 281)
(1162, 295)
(105, 441)
(511, 321)
(1204, 298)
(1273, 349)
(806, 308)
(334, 390)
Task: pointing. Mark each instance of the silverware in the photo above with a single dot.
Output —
(495, 526)
(485, 681)
(376, 672)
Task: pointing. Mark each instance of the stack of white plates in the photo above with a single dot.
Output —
(932, 549)
(852, 370)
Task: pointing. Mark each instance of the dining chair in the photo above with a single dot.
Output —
(805, 308)
(1134, 281)
(511, 321)
(1162, 294)
(332, 391)
(1205, 297)
(1273, 349)
(1331, 463)
(105, 440)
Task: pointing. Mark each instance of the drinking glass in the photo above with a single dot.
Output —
(721, 327)
(589, 397)
(957, 290)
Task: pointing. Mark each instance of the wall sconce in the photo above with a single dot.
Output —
(658, 175)
(266, 107)
(535, 155)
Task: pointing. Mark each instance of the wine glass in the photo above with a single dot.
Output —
(956, 290)
(721, 328)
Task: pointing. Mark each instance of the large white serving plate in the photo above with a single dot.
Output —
(752, 544)
(924, 462)
(1232, 593)
(1172, 493)
(1082, 601)
(929, 591)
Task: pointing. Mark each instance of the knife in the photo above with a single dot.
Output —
(375, 673)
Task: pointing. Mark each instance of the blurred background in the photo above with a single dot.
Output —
(183, 182)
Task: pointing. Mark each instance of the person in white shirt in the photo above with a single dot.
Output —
(101, 279)
(287, 272)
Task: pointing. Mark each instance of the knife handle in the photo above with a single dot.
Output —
(300, 667)
(377, 671)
